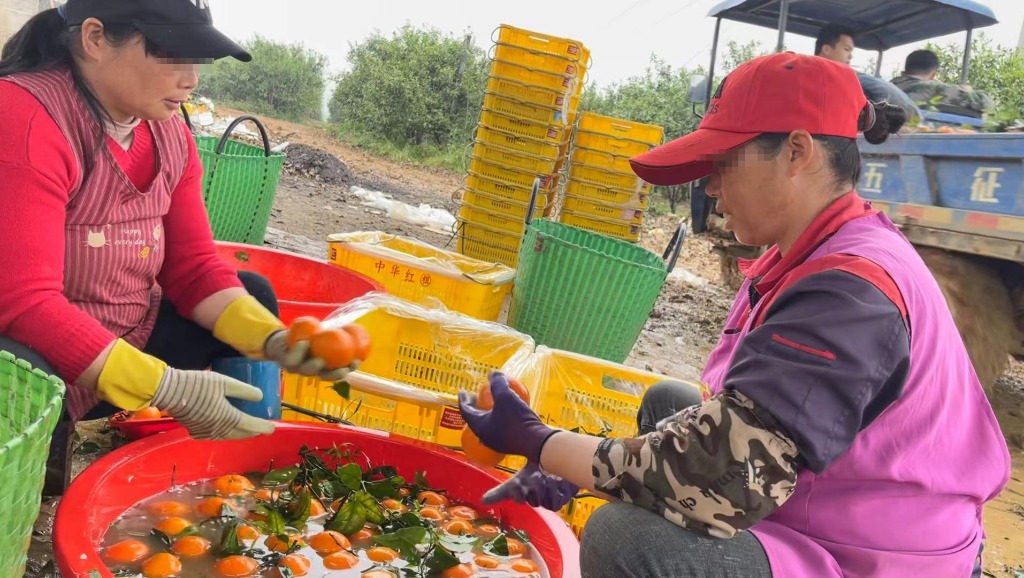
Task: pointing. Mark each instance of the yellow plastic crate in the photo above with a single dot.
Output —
(607, 195)
(511, 175)
(578, 511)
(504, 223)
(624, 231)
(505, 190)
(602, 159)
(489, 244)
(546, 43)
(621, 128)
(550, 133)
(433, 352)
(561, 83)
(506, 140)
(419, 272)
(606, 178)
(533, 94)
(588, 207)
(527, 110)
(501, 206)
(520, 161)
(610, 144)
(537, 60)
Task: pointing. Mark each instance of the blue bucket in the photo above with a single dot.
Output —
(264, 375)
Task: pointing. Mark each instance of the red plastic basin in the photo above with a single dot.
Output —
(143, 469)
(304, 286)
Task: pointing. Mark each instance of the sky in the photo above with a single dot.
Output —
(622, 34)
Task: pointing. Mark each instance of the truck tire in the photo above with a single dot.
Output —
(981, 308)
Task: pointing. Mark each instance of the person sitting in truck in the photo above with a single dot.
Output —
(830, 445)
(919, 81)
(836, 43)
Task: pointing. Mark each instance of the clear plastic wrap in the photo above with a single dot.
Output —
(420, 359)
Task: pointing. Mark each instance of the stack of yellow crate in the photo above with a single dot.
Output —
(529, 108)
(602, 193)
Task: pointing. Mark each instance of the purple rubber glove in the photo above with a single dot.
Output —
(511, 427)
(534, 487)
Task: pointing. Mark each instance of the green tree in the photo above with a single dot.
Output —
(997, 70)
(282, 80)
(661, 97)
(419, 85)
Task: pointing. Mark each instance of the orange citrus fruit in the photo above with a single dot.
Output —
(145, 413)
(487, 530)
(236, 567)
(267, 495)
(515, 547)
(302, 329)
(316, 508)
(432, 499)
(377, 574)
(126, 552)
(476, 452)
(162, 565)
(525, 566)
(168, 509)
(276, 544)
(381, 554)
(458, 527)
(212, 507)
(485, 401)
(393, 505)
(341, 560)
(191, 546)
(173, 526)
(246, 532)
(334, 346)
(364, 534)
(297, 563)
(431, 513)
(360, 339)
(329, 542)
(460, 571)
(486, 562)
(232, 485)
(464, 512)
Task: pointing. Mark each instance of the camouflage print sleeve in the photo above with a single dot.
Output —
(717, 468)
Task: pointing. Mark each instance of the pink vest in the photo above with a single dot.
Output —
(906, 499)
(114, 242)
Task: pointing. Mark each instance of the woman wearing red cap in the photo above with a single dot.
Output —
(847, 434)
(109, 277)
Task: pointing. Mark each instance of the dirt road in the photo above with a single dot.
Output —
(676, 341)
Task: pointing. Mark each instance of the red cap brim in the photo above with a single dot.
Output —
(687, 158)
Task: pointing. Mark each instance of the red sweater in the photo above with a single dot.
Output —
(37, 172)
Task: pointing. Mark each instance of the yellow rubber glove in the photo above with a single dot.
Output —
(198, 400)
(246, 325)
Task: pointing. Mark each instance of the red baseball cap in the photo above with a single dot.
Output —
(777, 93)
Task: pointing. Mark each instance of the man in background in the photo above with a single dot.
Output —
(836, 43)
(919, 82)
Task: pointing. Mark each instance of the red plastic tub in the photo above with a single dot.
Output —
(143, 469)
(304, 286)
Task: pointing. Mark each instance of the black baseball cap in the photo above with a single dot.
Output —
(180, 28)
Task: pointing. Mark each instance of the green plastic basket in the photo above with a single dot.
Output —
(586, 293)
(31, 405)
(239, 184)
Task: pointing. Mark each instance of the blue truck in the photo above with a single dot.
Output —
(959, 198)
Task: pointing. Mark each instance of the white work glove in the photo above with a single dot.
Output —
(199, 401)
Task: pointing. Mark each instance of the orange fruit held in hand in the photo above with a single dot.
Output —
(302, 329)
(361, 339)
(485, 401)
(334, 346)
(476, 452)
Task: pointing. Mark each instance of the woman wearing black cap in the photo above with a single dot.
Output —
(109, 276)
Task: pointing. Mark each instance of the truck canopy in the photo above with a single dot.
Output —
(877, 24)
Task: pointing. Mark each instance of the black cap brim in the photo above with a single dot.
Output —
(199, 41)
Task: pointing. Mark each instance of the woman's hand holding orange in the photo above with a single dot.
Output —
(306, 348)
